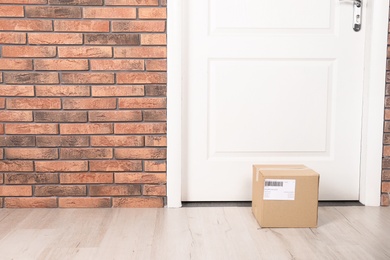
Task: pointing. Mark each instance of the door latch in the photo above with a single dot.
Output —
(357, 14)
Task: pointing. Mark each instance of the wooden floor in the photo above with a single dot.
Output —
(189, 233)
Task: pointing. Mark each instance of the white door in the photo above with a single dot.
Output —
(271, 82)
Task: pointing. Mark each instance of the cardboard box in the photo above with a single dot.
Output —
(285, 196)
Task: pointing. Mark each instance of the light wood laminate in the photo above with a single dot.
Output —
(190, 233)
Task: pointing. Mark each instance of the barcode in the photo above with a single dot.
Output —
(273, 183)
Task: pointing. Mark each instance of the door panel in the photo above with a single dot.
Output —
(237, 119)
(265, 84)
(263, 14)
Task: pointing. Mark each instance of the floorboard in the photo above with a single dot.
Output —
(349, 232)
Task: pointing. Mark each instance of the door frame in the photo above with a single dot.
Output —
(373, 101)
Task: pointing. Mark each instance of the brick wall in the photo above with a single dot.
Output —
(385, 198)
(82, 103)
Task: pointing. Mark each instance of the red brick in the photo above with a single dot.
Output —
(45, 116)
(385, 200)
(155, 166)
(112, 39)
(16, 166)
(110, 13)
(1, 178)
(140, 153)
(141, 78)
(15, 64)
(117, 91)
(52, 12)
(138, 26)
(31, 178)
(20, 191)
(25, 25)
(140, 177)
(114, 116)
(15, 140)
(66, 91)
(145, 128)
(60, 190)
(137, 202)
(156, 65)
(30, 202)
(29, 51)
(31, 129)
(132, 2)
(62, 141)
(117, 141)
(29, 2)
(114, 190)
(81, 26)
(69, 129)
(12, 38)
(154, 190)
(66, 64)
(152, 13)
(142, 103)
(140, 52)
(118, 166)
(34, 103)
(387, 127)
(3, 139)
(12, 91)
(155, 115)
(90, 103)
(84, 202)
(31, 153)
(76, 2)
(31, 78)
(117, 65)
(79, 84)
(86, 153)
(88, 78)
(153, 39)
(55, 38)
(13, 116)
(88, 177)
(84, 52)
(386, 150)
(156, 140)
(61, 166)
(386, 187)
(156, 90)
(387, 101)
(11, 11)
(387, 114)
(386, 175)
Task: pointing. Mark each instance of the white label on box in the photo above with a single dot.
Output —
(279, 189)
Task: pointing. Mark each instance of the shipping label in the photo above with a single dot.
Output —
(279, 189)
